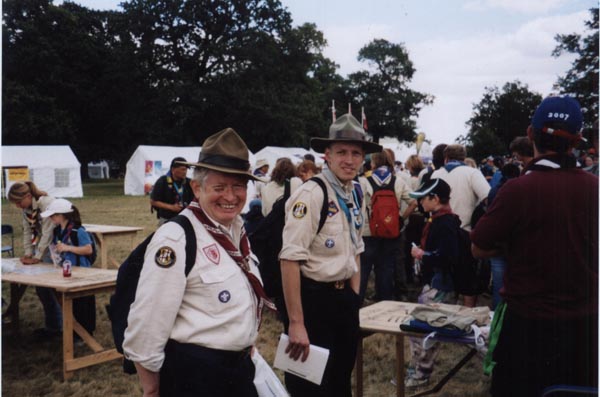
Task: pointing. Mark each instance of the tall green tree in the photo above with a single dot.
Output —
(391, 106)
(498, 118)
(581, 81)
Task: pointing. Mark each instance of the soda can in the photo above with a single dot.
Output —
(66, 268)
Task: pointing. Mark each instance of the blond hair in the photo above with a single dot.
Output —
(19, 190)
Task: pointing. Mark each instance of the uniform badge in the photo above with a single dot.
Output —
(329, 243)
(224, 296)
(212, 253)
(299, 210)
(332, 209)
(165, 257)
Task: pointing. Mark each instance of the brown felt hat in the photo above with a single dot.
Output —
(346, 129)
(225, 152)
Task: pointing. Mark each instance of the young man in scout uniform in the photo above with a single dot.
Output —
(321, 271)
(546, 225)
(191, 335)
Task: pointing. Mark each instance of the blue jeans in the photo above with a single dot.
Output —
(497, 265)
(380, 255)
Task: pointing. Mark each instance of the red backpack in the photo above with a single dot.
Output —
(384, 220)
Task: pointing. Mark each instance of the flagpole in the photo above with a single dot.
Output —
(333, 110)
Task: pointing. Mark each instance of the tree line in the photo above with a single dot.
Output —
(172, 72)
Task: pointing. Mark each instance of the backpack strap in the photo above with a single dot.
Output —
(286, 189)
(190, 241)
(376, 187)
(324, 207)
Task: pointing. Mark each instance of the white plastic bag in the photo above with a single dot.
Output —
(266, 381)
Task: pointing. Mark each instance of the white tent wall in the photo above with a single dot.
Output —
(148, 163)
(272, 153)
(53, 168)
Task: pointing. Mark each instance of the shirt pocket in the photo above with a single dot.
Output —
(219, 289)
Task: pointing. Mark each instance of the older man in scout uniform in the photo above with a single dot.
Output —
(191, 335)
(321, 271)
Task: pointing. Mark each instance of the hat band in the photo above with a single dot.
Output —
(562, 133)
(347, 134)
(224, 161)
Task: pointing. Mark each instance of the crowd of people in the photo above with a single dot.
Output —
(532, 219)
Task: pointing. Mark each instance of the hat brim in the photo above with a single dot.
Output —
(47, 214)
(225, 170)
(320, 144)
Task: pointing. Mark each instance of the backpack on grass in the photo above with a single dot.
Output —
(75, 240)
(384, 220)
(266, 241)
(127, 281)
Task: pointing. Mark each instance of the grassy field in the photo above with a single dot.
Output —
(34, 368)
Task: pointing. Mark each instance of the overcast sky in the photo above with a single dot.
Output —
(458, 47)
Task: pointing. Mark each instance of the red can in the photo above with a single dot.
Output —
(66, 268)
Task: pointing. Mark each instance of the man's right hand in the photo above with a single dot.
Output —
(299, 345)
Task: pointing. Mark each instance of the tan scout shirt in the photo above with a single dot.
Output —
(215, 306)
(329, 255)
(46, 232)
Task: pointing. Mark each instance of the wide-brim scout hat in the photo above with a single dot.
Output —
(345, 129)
(225, 152)
(58, 206)
(433, 187)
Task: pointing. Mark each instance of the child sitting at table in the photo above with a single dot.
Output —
(68, 222)
(439, 249)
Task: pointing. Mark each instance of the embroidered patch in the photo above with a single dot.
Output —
(332, 209)
(329, 243)
(299, 210)
(224, 296)
(212, 253)
(165, 257)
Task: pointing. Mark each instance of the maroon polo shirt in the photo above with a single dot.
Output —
(548, 223)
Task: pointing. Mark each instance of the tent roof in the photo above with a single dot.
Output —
(50, 156)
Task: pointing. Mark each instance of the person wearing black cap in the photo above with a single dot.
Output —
(546, 225)
(192, 335)
(438, 252)
(172, 192)
(321, 271)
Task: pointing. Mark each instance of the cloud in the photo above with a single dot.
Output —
(520, 6)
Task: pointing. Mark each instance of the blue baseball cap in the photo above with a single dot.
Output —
(562, 109)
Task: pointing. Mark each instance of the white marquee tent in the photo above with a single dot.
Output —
(296, 154)
(99, 170)
(54, 169)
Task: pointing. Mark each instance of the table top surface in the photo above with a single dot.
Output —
(107, 229)
(48, 275)
(385, 316)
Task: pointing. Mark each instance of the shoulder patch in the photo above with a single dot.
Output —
(165, 257)
(299, 210)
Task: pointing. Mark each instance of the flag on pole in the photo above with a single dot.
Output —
(363, 118)
(333, 110)
(349, 108)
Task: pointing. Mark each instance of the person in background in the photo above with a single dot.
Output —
(488, 169)
(384, 256)
(192, 335)
(437, 162)
(414, 166)
(261, 171)
(469, 189)
(321, 271)
(437, 252)
(37, 236)
(172, 192)
(521, 149)
(67, 220)
(310, 157)
(253, 217)
(306, 170)
(545, 222)
(284, 171)
(470, 161)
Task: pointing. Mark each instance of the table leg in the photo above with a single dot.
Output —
(358, 374)
(16, 293)
(67, 312)
(400, 365)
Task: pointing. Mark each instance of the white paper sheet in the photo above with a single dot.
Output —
(312, 369)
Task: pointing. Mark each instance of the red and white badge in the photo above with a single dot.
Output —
(212, 253)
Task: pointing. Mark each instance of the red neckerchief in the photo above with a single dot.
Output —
(240, 256)
(445, 210)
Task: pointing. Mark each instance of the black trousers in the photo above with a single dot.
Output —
(192, 371)
(331, 321)
(84, 311)
(533, 354)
